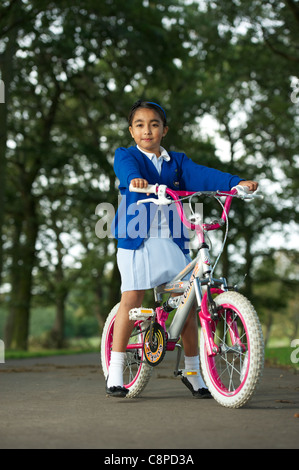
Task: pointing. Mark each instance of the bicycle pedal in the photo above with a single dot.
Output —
(141, 313)
(190, 372)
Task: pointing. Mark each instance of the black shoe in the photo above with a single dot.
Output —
(200, 393)
(118, 392)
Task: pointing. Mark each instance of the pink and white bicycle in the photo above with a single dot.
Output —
(231, 340)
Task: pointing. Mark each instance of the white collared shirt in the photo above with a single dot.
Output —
(159, 227)
(157, 161)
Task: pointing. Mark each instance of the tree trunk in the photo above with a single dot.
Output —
(57, 333)
(15, 274)
(114, 288)
(248, 266)
(268, 326)
(17, 326)
(6, 64)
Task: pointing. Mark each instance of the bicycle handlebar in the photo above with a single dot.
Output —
(242, 192)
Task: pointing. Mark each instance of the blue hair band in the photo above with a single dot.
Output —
(156, 104)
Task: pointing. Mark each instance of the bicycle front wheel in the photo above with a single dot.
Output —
(233, 374)
(136, 372)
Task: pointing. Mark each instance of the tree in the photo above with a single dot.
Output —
(276, 294)
(247, 90)
(72, 61)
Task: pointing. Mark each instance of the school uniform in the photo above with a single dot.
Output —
(152, 241)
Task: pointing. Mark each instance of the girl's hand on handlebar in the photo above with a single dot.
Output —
(251, 185)
(139, 183)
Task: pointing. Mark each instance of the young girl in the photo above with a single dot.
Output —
(145, 261)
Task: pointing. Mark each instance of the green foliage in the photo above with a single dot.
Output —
(280, 357)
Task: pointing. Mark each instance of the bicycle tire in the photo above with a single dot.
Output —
(231, 377)
(136, 371)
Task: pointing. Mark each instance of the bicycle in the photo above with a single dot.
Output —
(231, 339)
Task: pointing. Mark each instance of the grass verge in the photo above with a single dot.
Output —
(284, 356)
(274, 357)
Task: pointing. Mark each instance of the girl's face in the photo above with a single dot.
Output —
(148, 130)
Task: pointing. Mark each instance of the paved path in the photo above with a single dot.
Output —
(59, 402)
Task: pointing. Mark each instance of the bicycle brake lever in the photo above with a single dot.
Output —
(162, 199)
(244, 193)
(158, 202)
(151, 199)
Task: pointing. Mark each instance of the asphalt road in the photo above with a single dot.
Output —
(60, 403)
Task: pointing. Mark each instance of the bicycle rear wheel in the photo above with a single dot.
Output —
(233, 374)
(136, 372)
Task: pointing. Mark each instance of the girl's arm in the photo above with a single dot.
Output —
(126, 167)
(198, 177)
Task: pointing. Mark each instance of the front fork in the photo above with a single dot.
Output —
(208, 316)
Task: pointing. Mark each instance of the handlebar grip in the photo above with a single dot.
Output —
(151, 188)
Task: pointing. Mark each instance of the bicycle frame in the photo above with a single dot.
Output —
(192, 290)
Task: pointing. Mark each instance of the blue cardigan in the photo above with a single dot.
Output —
(131, 223)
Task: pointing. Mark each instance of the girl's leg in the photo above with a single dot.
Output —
(123, 326)
(121, 334)
(190, 343)
(190, 334)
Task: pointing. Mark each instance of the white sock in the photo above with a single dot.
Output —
(115, 377)
(192, 363)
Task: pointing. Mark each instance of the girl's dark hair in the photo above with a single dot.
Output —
(148, 105)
